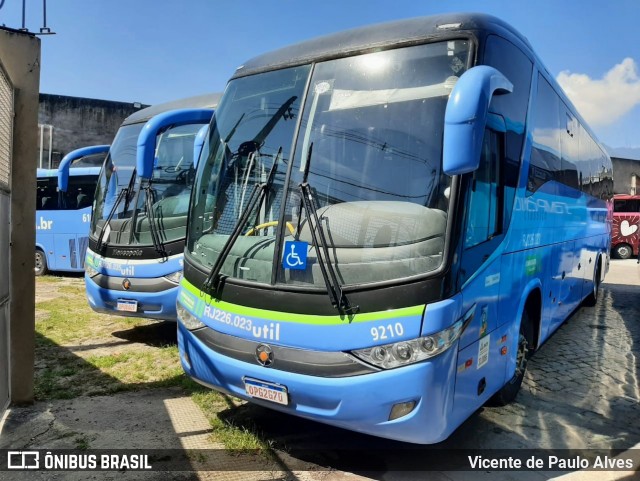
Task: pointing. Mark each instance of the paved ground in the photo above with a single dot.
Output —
(582, 391)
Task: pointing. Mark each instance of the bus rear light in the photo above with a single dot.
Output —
(401, 409)
(389, 356)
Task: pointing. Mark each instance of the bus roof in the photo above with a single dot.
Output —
(73, 171)
(199, 101)
(399, 33)
(625, 197)
(375, 37)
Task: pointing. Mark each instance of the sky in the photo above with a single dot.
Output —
(152, 51)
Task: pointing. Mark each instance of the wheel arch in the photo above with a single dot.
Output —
(531, 300)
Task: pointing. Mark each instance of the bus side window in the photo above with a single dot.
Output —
(484, 202)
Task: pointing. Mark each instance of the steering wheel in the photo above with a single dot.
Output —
(255, 229)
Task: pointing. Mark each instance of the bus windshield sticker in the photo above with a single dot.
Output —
(295, 255)
(483, 351)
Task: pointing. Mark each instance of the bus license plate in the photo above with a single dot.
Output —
(266, 390)
(128, 306)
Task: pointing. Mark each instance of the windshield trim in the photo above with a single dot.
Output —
(453, 207)
(390, 44)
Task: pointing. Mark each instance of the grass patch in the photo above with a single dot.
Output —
(236, 432)
(80, 352)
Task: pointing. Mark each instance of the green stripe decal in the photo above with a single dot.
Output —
(301, 318)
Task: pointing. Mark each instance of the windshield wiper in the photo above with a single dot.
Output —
(153, 228)
(258, 194)
(334, 288)
(124, 193)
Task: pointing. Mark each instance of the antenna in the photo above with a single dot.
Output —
(44, 30)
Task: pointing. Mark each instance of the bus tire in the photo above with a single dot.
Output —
(41, 267)
(508, 392)
(623, 251)
(592, 299)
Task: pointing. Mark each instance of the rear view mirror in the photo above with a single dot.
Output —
(146, 151)
(466, 117)
(65, 163)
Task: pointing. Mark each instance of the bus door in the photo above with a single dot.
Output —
(481, 367)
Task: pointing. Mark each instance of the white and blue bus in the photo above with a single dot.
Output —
(63, 210)
(387, 222)
(136, 242)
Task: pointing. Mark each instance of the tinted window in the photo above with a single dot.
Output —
(545, 152)
(80, 192)
(517, 67)
(47, 195)
(570, 149)
(482, 216)
(626, 205)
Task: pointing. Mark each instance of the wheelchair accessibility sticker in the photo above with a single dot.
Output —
(295, 255)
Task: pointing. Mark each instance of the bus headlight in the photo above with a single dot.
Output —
(189, 321)
(175, 277)
(90, 270)
(403, 353)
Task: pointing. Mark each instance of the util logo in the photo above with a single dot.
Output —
(270, 332)
(44, 224)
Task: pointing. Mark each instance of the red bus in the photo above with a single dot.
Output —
(625, 234)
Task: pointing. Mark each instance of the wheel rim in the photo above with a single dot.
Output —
(521, 357)
(623, 251)
(39, 264)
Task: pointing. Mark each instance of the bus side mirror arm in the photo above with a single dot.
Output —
(466, 115)
(65, 163)
(146, 149)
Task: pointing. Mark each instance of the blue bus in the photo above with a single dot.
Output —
(64, 198)
(387, 222)
(136, 241)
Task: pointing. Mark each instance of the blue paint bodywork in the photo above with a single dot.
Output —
(160, 305)
(546, 260)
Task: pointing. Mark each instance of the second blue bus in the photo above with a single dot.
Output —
(136, 242)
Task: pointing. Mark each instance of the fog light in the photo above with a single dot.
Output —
(401, 409)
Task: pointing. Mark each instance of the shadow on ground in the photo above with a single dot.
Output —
(581, 393)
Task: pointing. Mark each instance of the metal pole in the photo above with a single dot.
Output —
(50, 142)
(41, 144)
(24, 14)
(44, 13)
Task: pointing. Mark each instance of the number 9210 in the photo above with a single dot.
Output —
(390, 331)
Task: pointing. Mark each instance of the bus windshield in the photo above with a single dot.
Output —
(173, 174)
(369, 147)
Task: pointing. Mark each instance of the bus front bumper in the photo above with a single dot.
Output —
(360, 403)
(160, 305)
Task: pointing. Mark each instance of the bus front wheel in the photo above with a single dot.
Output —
(623, 251)
(509, 391)
(41, 263)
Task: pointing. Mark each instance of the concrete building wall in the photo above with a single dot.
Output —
(626, 176)
(20, 58)
(78, 122)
